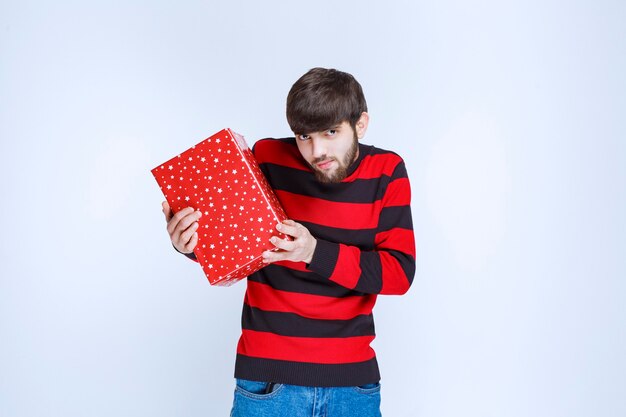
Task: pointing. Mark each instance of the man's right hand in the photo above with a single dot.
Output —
(182, 227)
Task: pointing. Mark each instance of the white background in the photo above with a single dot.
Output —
(511, 119)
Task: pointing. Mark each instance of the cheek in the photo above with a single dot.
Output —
(345, 148)
(304, 150)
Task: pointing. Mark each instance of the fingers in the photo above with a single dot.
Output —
(182, 220)
(187, 235)
(300, 248)
(284, 244)
(291, 228)
(274, 256)
(182, 227)
(191, 244)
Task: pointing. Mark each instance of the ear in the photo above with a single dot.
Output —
(361, 125)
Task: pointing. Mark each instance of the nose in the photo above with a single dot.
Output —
(318, 148)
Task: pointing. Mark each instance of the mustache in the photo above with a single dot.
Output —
(322, 159)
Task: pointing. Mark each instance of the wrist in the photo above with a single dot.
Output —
(312, 252)
(179, 251)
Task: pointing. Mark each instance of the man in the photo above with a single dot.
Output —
(307, 319)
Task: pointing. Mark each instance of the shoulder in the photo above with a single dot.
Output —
(382, 161)
(265, 149)
(390, 156)
(283, 152)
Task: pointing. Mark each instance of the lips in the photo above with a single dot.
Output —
(324, 164)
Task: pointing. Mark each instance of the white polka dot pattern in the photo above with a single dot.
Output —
(220, 177)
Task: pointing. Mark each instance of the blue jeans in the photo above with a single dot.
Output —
(251, 400)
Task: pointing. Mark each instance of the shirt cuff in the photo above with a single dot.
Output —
(324, 258)
(191, 255)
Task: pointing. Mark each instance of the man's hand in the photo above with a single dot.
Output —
(300, 249)
(182, 227)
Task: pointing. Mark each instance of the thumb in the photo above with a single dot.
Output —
(166, 211)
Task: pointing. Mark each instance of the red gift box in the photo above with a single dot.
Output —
(220, 177)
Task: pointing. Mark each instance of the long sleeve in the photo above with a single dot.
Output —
(390, 267)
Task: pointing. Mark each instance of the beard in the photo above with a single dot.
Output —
(342, 169)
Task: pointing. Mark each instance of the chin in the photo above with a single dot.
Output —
(333, 178)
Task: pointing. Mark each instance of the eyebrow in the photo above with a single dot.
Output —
(328, 128)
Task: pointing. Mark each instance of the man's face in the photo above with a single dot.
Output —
(330, 152)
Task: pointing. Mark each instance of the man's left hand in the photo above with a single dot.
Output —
(300, 249)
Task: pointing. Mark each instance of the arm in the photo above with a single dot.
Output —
(388, 269)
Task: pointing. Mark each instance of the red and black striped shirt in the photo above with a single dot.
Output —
(312, 324)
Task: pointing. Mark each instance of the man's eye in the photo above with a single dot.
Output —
(331, 132)
(303, 137)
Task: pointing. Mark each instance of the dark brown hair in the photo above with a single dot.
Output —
(323, 98)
